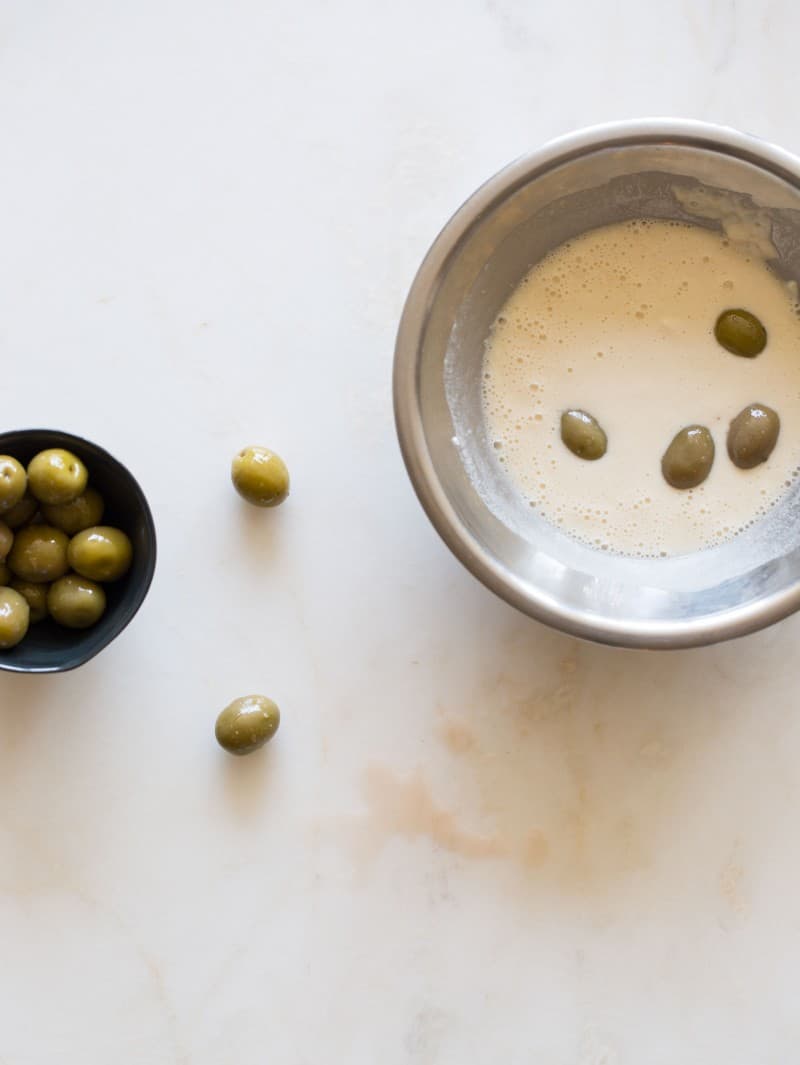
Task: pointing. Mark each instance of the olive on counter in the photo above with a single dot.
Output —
(39, 554)
(260, 476)
(688, 460)
(741, 333)
(56, 476)
(75, 602)
(14, 618)
(583, 435)
(752, 435)
(13, 482)
(247, 724)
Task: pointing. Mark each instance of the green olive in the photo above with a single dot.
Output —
(36, 597)
(6, 540)
(14, 618)
(75, 602)
(752, 435)
(22, 512)
(582, 435)
(247, 724)
(741, 333)
(78, 514)
(260, 476)
(689, 458)
(5, 574)
(39, 554)
(100, 553)
(56, 476)
(13, 482)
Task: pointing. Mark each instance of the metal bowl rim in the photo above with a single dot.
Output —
(737, 621)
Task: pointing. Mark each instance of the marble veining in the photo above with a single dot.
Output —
(473, 840)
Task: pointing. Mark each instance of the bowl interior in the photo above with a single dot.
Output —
(49, 648)
(476, 266)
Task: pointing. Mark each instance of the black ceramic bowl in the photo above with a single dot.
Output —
(48, 648)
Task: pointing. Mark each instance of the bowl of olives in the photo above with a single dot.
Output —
(77, 550)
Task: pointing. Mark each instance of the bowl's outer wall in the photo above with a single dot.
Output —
(48, 648)
(472, 266)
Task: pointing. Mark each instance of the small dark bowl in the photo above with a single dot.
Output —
(48, 648)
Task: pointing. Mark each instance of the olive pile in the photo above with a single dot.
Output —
(752, 435)
(54, 553)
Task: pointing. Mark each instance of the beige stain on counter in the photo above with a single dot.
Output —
(536, 850)
(730, 886)
(404, 806)
(456, 736)
(552, 783)
(566, 774)
(732, 889)
(398, 806)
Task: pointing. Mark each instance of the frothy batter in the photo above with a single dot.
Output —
(619, 322)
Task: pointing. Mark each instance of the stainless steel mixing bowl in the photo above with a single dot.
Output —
(663, 168)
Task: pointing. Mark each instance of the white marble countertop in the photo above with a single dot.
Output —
(474, 841)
